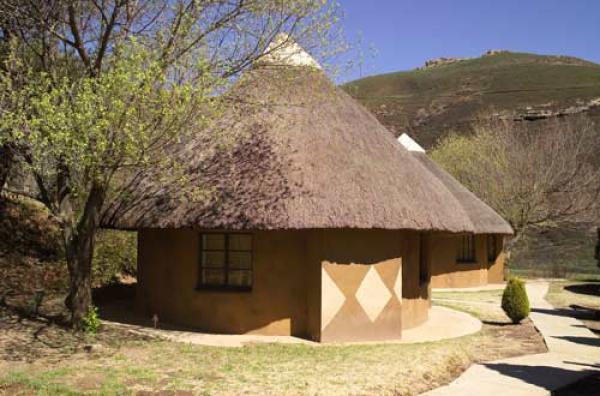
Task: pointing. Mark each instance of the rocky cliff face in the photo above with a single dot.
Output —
(549, 110)
(436, 62)
(442, 61)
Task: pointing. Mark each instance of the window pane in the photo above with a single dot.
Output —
(240, 278)
(466, 252)
(240, 260)
(213, 259)
(213, 277)
(240, 242)
(213, 241)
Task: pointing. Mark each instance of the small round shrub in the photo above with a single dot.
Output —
(515, 302)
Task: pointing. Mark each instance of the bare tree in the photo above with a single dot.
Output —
(534, 175)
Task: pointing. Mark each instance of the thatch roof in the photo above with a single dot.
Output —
(306, 155)
(485, 220)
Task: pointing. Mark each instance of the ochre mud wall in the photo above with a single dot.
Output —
(361, 285)
(363, 295)
(496, 267)
(376, 274)
(416, 296)
(276, 305)
(446, 272)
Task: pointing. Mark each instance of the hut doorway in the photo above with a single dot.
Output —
(424, 273)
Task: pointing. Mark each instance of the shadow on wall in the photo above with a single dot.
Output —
(116, 303)
(363, 247)
(550, 378)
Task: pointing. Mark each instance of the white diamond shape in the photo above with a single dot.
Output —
(332, 299)
(398, 284)
(372, 294)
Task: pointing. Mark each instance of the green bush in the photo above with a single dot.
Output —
(515, 302)
(90, 323)
(115, 254)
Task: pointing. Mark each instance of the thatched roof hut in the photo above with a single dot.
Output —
(484, 219)
(305, 155)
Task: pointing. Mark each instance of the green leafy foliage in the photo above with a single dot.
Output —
(533, 176)
(515, 302)
(115, 254)
(90, 323)
(101, 103)
(97, 126)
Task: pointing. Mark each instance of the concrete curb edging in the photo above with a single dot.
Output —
(443, 323)
(573, 354)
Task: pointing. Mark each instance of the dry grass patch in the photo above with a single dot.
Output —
(484, 304)
(581, 299)
(508, 339)
(563, 294)
(126, 365)
(257, 369)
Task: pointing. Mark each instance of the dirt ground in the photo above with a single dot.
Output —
(40, 356)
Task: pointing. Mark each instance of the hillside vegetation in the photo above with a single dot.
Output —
(429, 102)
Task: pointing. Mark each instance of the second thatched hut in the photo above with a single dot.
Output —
(468, 259)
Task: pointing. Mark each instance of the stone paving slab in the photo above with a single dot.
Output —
(443, 323)
(573, 353)
(489, 286)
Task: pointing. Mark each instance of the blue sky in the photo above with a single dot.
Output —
(405, 33)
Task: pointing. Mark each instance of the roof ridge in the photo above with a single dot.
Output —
(410, 144)
(285, 51)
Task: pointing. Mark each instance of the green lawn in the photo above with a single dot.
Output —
(483, 304)
(560, 296)
(259, 369)
(125, 366)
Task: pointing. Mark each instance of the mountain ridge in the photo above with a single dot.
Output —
(430, 102)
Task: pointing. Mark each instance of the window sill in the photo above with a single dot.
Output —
(224, 289)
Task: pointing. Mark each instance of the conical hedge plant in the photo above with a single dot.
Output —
(515, 302)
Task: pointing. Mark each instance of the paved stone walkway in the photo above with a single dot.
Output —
(489, 286)
(573, 353)
(443, 323)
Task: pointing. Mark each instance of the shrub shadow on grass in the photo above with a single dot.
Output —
(590, 289)
(498, 323)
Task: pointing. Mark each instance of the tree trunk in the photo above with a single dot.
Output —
(6, 162)
(79, 244)
(80, 251)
